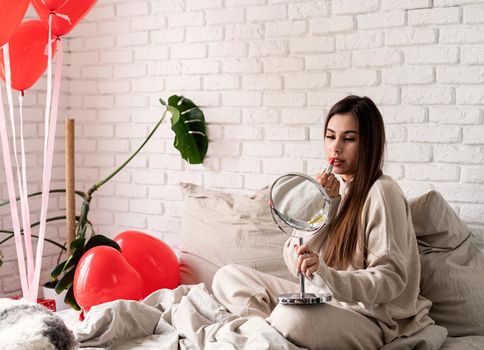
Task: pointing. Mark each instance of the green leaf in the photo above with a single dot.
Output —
(51, 284)
(98, 240)
(77, 243)
(71, 300)
(188, 123)
(56, 271)
(175, 114)
(65, 282)
(72, 259)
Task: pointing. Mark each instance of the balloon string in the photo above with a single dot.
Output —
(11, 185)
(45, 170)
(24, 202)
(24, 208)
(8, 81)
(48, 167)
(49, 92)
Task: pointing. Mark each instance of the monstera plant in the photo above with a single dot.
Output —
(188, 123)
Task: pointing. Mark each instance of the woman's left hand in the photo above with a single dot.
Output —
(307, 261)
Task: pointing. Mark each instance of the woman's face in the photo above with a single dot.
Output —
(341, 142)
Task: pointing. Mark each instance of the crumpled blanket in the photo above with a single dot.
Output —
(187, 317)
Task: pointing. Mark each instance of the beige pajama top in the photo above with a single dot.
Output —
(386, 283)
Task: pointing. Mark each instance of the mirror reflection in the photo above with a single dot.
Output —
(300, 206)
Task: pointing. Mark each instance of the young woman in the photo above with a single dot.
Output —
(366, 256)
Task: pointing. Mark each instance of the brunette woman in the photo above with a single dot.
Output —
(366, 257)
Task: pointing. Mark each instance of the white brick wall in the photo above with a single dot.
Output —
(265, 72)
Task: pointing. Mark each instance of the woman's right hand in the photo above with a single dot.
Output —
(330, 183)
(307, 261)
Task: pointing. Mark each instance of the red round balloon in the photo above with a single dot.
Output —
(154, 260)
(52, 5)
(11, 14)
(28, 56)
(74, 9)
(103, 275)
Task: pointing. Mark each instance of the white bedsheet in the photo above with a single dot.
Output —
(187, 317)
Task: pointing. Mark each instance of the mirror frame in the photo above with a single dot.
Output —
(285, 218)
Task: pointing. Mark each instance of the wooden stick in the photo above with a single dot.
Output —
(70, 184)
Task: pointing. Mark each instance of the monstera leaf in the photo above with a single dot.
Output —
(188, 123)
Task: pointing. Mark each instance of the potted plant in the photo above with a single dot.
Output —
(188, 123)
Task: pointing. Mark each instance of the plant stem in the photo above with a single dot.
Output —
(81, 226)
(98, 184)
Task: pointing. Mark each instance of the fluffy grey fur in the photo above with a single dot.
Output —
(29, 326)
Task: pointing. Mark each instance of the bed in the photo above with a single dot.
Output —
(219, 228)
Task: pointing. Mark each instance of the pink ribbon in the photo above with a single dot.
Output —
(21, 172)
(11, 186)
(24, 202)
(61, 15)
(48, 155)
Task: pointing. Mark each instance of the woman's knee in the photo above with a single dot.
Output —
(224, 276)
(325, 326)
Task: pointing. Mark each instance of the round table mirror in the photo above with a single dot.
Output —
(300, 207)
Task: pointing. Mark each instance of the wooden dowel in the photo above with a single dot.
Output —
(70, 183)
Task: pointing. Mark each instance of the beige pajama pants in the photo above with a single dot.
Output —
(247, 292)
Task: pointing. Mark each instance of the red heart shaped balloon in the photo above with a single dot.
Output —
(74, 9)
(103, 275)
(28, 57)
(154, 260)
(11, 14)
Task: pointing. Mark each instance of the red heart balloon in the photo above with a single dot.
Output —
(103, 275)
(11, 14)
(154, 260)
(28, 57)
(74, 9)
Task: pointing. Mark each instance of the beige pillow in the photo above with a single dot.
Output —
(219, 228)
(452, 266)
(435, 222)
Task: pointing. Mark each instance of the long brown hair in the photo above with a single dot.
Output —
(345, 229)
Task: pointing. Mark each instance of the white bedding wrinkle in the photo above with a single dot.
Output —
(187, 317)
